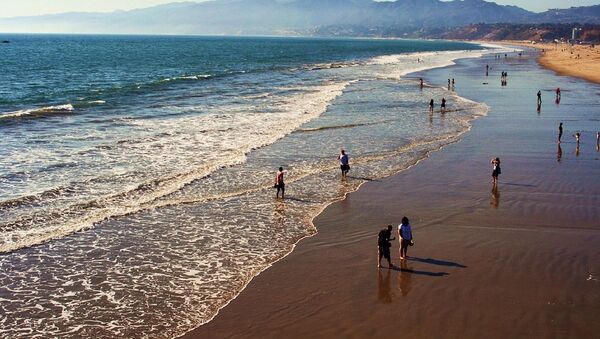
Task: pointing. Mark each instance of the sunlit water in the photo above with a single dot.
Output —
(136, 174)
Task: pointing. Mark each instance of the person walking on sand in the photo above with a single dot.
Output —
(539, 98)
(405, 237)
(279, 184)
(383, 245)
(560, 132)
(344, 163)
(431, 105)
(495, 170)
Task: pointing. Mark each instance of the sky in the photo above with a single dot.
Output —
(11, 8)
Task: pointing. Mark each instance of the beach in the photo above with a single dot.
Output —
(519, 261)
(582, 61)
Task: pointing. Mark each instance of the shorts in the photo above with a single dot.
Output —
(404, 243)
(384, 251)
(280, 186)
(345, 168)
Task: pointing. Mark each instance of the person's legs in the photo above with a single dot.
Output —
(282, 191)
(278, 189)
(380, 253)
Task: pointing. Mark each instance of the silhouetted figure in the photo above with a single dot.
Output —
(560, 132)
(344, 163)
(431, 105)
(487, 69)
(496, 171)
(597, 141)
(443, 106)
(577, 137)
(383, 245)
(448, 84)
(279, 184)
(539, 98)
(453, 84)
(421, 85)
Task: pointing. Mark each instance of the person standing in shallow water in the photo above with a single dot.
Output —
(431, 105)
(560, 132)
(405, 237)
(495, 170)
(279, 184)
(344, 163)
(443, 107)
(383, 245)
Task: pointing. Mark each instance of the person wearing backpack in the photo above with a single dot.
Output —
(383, 245)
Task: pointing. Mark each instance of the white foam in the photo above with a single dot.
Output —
(34, 111)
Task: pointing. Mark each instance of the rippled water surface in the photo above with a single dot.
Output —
(136, 172)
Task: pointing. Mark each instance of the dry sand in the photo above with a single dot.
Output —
(520, 262)
(582, 61)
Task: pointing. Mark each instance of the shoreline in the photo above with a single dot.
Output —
(222, 324)
(455, 139)
(580, 61)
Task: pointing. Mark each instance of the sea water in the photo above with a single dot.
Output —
(136, 172)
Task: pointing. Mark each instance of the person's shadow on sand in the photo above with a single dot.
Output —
(437, 262)
(410, 270)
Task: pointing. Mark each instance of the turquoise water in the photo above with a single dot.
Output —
(136, 172)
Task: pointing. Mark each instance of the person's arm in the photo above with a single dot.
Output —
(399, 233)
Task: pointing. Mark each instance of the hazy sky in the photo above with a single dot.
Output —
(10, 8)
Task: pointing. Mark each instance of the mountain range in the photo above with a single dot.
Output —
(295, 17)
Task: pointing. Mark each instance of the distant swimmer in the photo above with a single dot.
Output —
(431, 105)
(443, 104)
(404, 237)
(383, 245)
(279, 184)
(560, 132)
(344, 163)
(496, 171)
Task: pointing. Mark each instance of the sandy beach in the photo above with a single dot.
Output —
(582, 61)
(522, 261)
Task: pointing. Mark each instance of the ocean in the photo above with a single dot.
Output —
(136, 172)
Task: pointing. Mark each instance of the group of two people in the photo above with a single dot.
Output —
(344, 166)
(384, 244)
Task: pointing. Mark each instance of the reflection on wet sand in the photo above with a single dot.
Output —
(559, 153)
(279, 214)
(384, 280)
(495, 196)
(404, 278)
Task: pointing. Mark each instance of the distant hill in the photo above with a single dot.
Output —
(295, 17)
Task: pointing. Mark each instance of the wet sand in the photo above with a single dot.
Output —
(519, 262)
(582, 61)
